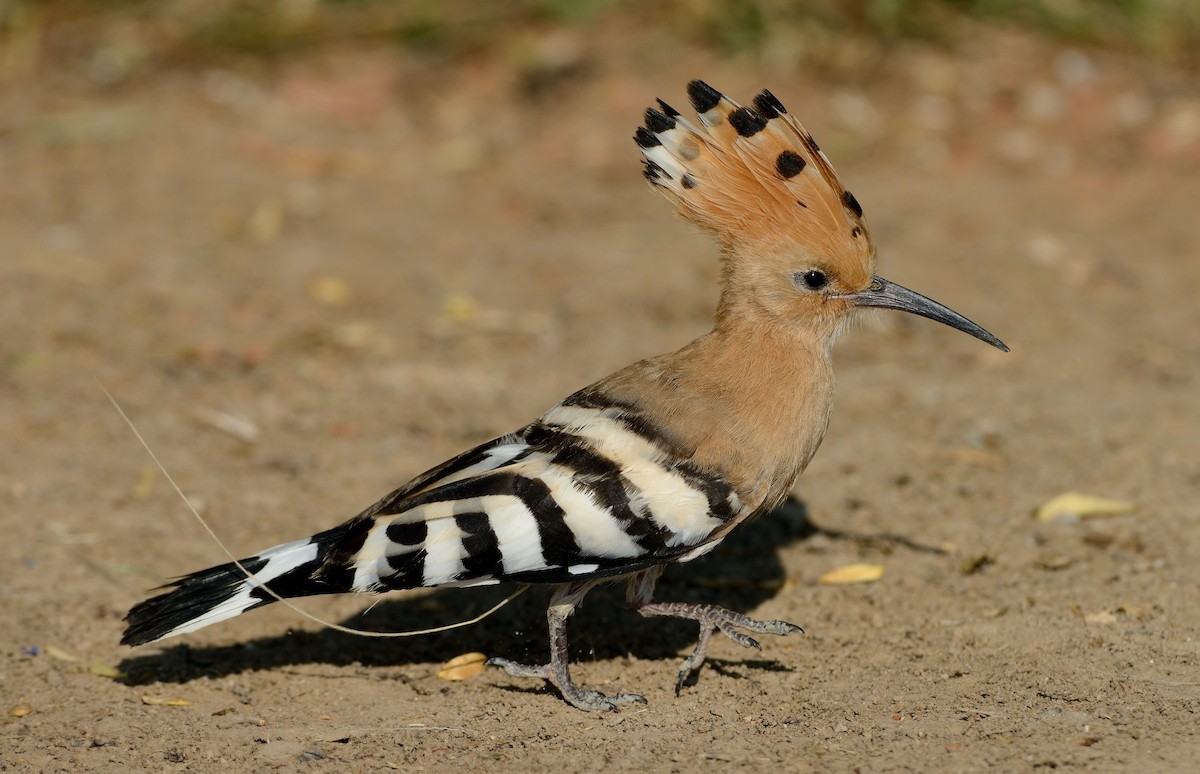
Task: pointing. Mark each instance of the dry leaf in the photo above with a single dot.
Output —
(463, 667)
(100, 669)
(20, 710)
(852, 573)
(60, 654)
(459, 308)
(1103, 617)
(265, 223)
(976, 457)
(1054, 561)
(240, 427)
(176, 702)
(330, 291)
(145, 484)
(1073, 506)
(973, 564)
(360, 336)
(1099, 540)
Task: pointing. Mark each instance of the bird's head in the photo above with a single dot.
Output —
(797, 251)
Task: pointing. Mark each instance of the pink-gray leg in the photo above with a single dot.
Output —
(710, 618)
(557, 673)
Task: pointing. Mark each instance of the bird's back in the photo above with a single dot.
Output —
(593, 488)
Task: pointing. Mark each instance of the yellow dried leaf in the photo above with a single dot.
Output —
(265, 223)
(973, 564)
(100, 669)
(330, 291)
(976, 457)
(145, 484)
(176, 702)
(463, 667)
(20, 710)
(459, 308)
(1073, 506)
(1053, 561)
(852, 573)
(60, 654)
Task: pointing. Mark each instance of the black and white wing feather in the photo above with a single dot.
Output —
(584, 492)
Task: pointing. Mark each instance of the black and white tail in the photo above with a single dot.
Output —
(298, 569)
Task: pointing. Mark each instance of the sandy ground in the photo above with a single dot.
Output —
(370, 260)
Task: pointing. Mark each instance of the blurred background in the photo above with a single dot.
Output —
(317, 246)
(351, 203)
(365, 176)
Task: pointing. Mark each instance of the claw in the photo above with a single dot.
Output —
(686, 671)
(780, 628)
(630, 698)
(711, 618)
(520, 670)
(582, 698)
(597, 702)
(745, 640)
(594, 701)
(557, 672)
(591, 701)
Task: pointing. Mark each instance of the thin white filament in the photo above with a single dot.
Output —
(250, 576)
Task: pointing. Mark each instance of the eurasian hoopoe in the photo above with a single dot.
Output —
(651, 465)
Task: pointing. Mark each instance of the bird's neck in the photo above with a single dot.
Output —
(749, 402)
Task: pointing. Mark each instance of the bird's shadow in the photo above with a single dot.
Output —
(744, 571)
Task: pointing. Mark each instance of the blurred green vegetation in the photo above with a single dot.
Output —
(179, 31)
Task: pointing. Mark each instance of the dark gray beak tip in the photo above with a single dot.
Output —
(889, 295)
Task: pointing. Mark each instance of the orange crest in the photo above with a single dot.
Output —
(755, 177)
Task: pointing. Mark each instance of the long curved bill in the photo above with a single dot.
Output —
(889, 295)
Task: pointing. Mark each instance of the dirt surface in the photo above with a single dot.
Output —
(370, 260)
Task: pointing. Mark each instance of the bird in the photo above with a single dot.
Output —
(651, 466)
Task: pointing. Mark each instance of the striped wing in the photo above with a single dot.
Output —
(587, 491)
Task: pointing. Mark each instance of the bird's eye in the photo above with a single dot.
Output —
(812, 279)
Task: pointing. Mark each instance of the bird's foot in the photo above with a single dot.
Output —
(587, 700)
(712, 618)
(729, 622)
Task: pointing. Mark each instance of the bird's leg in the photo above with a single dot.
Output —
(562, 604)
(710, 618)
